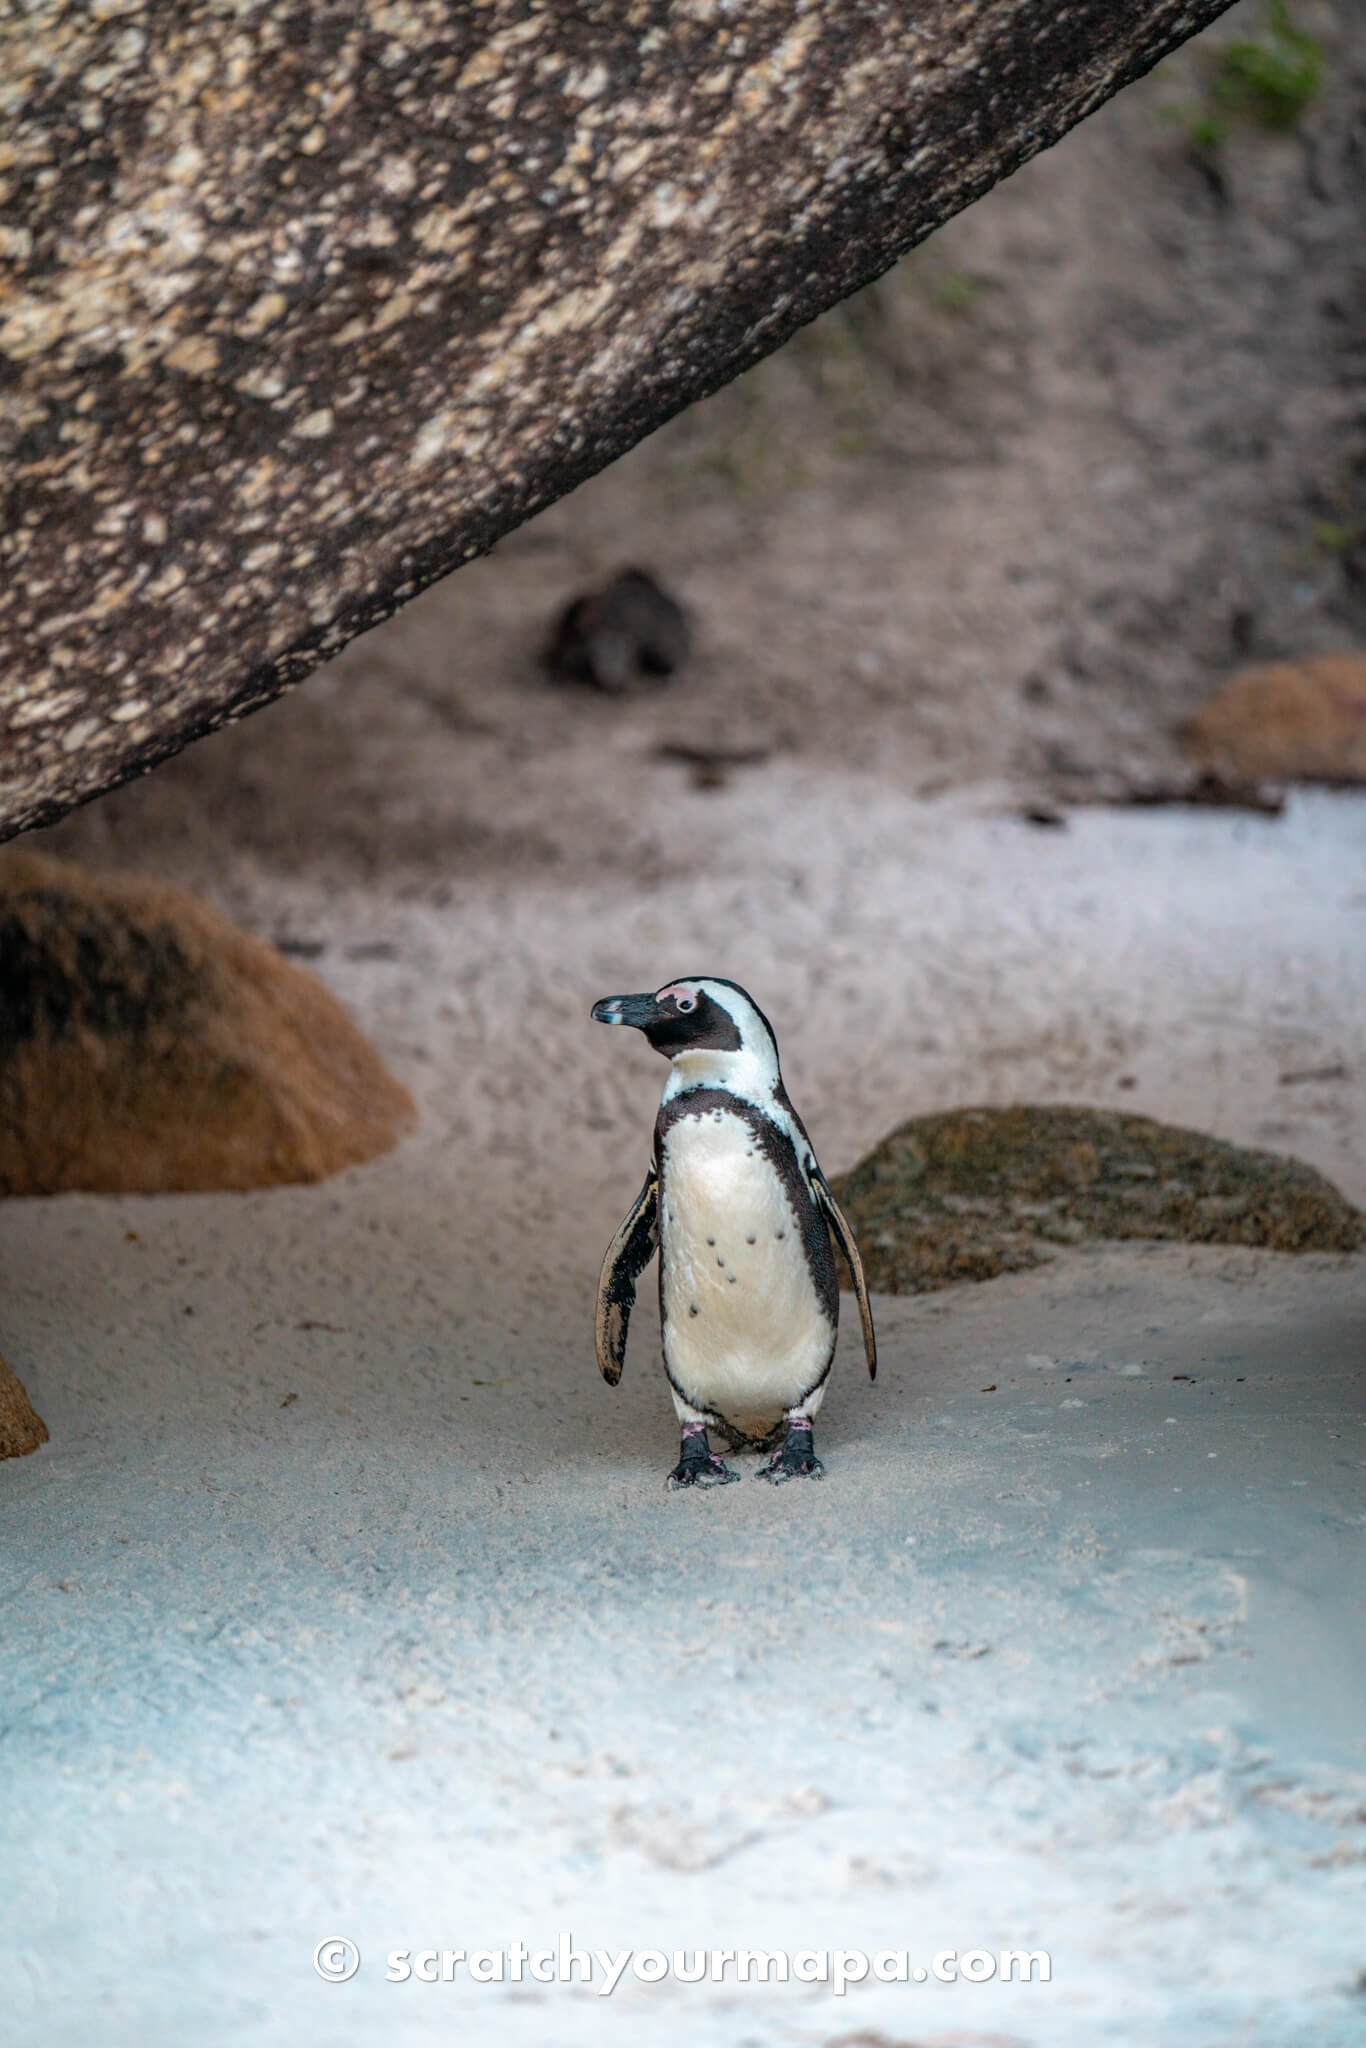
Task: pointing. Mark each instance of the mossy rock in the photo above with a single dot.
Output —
(977, 1192)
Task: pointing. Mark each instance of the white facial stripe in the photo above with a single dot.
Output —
(752, 1071)
(755, 1034)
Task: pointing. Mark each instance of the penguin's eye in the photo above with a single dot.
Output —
(685, 1003)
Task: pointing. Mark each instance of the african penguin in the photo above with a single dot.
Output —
(742, 1218)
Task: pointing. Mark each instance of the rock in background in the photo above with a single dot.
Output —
(977, 1192)
(22, 1429)
(1291, 721)
(148, 1045)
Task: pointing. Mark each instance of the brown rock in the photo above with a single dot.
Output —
(22, 1429)
(148, 1045)
(977, 1192)
(1294, 721)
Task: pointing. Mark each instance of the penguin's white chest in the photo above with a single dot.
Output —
(745, 1332)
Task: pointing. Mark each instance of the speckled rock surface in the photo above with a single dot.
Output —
(22, 1429)
(976, 1192)
(305, 308)
(148, 1045)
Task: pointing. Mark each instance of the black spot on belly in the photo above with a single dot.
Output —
(720, 1262)
(749, 1240)
(711, 1240)
(765, 1140)
(693, 1310)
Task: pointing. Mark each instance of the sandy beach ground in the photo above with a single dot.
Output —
(347, 1601)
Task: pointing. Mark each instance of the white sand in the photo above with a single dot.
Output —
(347, 1600)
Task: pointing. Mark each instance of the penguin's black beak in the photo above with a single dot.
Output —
(641, 1011)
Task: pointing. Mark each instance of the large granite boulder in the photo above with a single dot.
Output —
(306, 305)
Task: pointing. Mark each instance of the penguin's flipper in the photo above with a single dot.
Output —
(629, 1253)
(844, 1238)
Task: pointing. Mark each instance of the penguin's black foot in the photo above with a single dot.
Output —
(794, 1459)
(698, 1464)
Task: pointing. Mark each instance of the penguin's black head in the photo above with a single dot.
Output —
(702, 1014)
